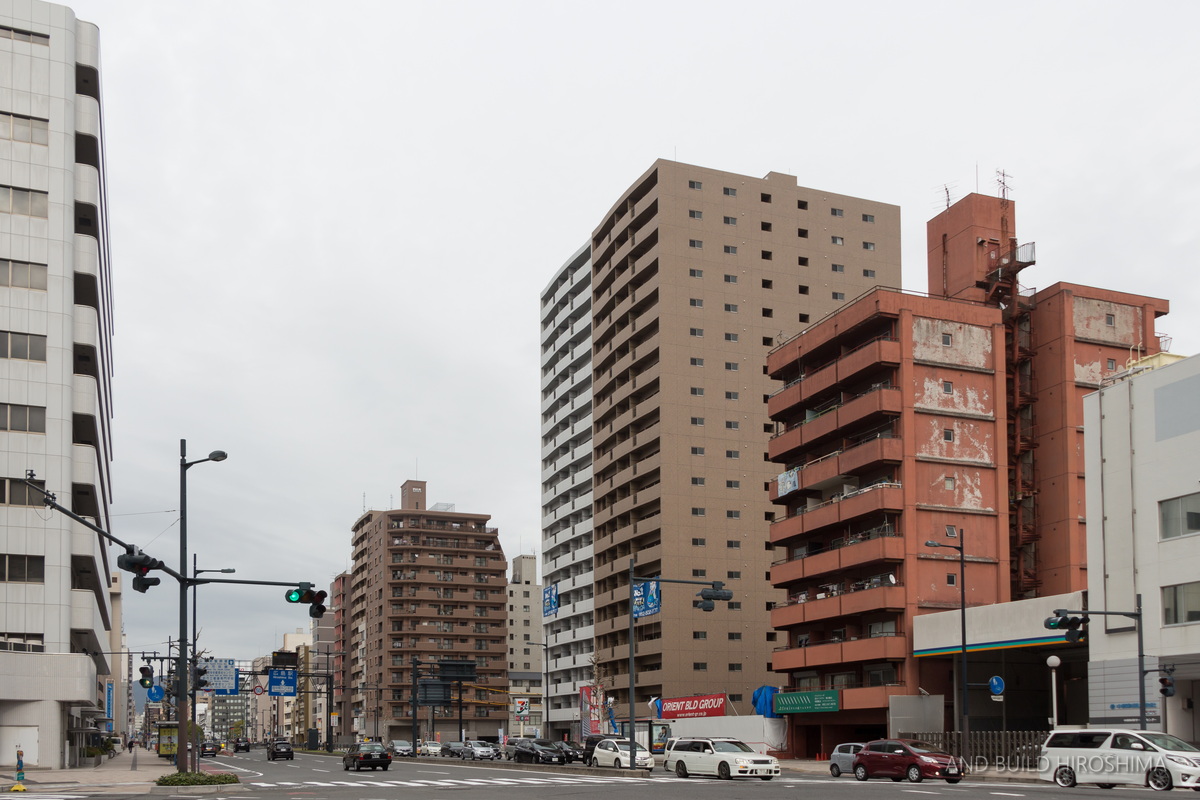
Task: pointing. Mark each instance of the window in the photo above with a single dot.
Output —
(697, 420)
(733, 544)
(947, 387)
(695, 244)
(698, 542)
(731, 278)
(949, 483)
(768, 341)
(802, 261)
(837, 240)
(802, 317)
(837, 267)
(768, 312)
(1179, 516)
(24, 129)
(802, 233)
(731, 249)
(731, 337)
(699, 573)
(869, 218)
(868, 273)
(697, 512)
(733, 454)
(803, 289)
(30, 419)
(18, 35)
(731, 366)
(733, 484)
(947, 339)
(697, 391)
(951, 532)
(838, 295)
(1110, 320)
(734, 605)
(694, 214)
(22, 569)
(695, 273)
(731, 220)
(22, 274)
(948, 434)
(868, 245)
(951, 579)
(735, 667)
(699, 634)
(732, 424)
(699, 666)
(766, 226)
(14, 492)
(767, 283)
(695, 185)
(696, 362)
(731, 308)
(1181, 603)
(837, 212)
(733, 514)
(731, 395)
(733, 575)
(696, 331)
(767, 255)
(1112, 363)
(729, 191)
(697, 481)
(697, 451)
(802, 205)
(766, 198)
(30, 203)
(696, 302)
(22, 346)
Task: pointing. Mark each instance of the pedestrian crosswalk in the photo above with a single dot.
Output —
(565, 780)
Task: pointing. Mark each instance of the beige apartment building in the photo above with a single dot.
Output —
(428, 581)
(696, 275)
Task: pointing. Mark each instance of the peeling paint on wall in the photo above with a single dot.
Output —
(970, 345)
(1089, 372)
(1091, 321)
(971, 441)
(968, 399)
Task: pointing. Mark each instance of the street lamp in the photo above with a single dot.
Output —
(962, 594)
(195, 636)
(181, 670)
(1053, 662)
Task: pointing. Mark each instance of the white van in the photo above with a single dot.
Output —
(1110, 756)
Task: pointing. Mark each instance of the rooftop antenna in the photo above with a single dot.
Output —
(364, 502)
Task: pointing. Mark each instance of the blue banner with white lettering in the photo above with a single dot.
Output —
(647, 599)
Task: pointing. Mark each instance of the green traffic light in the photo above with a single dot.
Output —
(293, 596)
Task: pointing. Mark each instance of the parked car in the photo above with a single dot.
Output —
(591, 740)
(615, 753)
(280, 749)
(400, 748)
(510, 747)
(1107, 757)
(906, 758)
(429, 749)
(537, 751)
(367, 754)
(453, 749)
(724, 757)
(480, 750)
(572, 750)
(241, 745)
(842, 758)
(210, 749)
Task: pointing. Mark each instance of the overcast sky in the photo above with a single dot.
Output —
(331, 222)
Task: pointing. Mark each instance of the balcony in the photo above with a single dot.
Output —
(871, 696)
(881, 448)
(884, 495)
(881, 544)
(812, 605)
(881, 400)
(868, 356)
(892, 647)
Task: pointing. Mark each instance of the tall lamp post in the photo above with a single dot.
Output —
(181, 669)
(1053, 663)
(965, 726)
(195, 650)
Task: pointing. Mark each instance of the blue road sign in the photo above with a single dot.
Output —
(155, 694)
(996, 684)
(282, 683)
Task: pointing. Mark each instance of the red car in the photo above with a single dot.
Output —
(906, 758)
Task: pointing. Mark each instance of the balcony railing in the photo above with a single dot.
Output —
(881, 338)
(808, 596)
(837, 498)
(858, 537)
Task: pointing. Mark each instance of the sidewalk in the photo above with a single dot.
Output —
(139, 768)
(988, 775)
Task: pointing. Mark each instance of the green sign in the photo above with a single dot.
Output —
(804, 702)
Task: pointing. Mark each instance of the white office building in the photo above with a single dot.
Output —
(56, 616)
(567, 488)
(1142, 444)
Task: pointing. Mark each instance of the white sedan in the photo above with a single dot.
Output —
(615, 753)
(430, 749)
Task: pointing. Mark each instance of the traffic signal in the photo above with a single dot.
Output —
(303, 593)
(147, 679)
(707, 596)
(1075, 627)
(1166, 686)
(137, 562)
(317, 608)
(199, 673)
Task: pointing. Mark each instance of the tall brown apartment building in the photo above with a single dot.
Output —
(696, 275)
(954, 418)
(430, 582)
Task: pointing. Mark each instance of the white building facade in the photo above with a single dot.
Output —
(1142, 443)
(567, 488)
(55, 387)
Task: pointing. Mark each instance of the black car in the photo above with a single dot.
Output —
(572, 750)
(538, 751)
(367, 754)
(241, 745)
(276, 750)
(454, 749)
(210, 749)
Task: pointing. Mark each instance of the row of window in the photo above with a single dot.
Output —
(22, 569)
(22, 642)
(867, 273)
(734, 636)
(731, 366)
(729, 513)
(769, 255)
(31, 419)
(14, 200)
(765, 197)
(730, 424)
(18, 35)
(14, 492)
(732, 308)
(699, 451)
(702, 666)
(767, 226)
(699, 481)
(22, 274)
(24, 129)
(698, 391)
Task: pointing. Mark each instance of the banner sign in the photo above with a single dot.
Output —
(647, 599)
(805, 702)
(521, 706)
(108, 704)
(704, 705)
(550, 600)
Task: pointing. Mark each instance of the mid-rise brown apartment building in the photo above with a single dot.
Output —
(428, 582)
(696, 275)
(954, 418)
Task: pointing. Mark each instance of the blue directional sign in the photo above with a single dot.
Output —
(996, 684)
(282, 683)
(155, 694)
